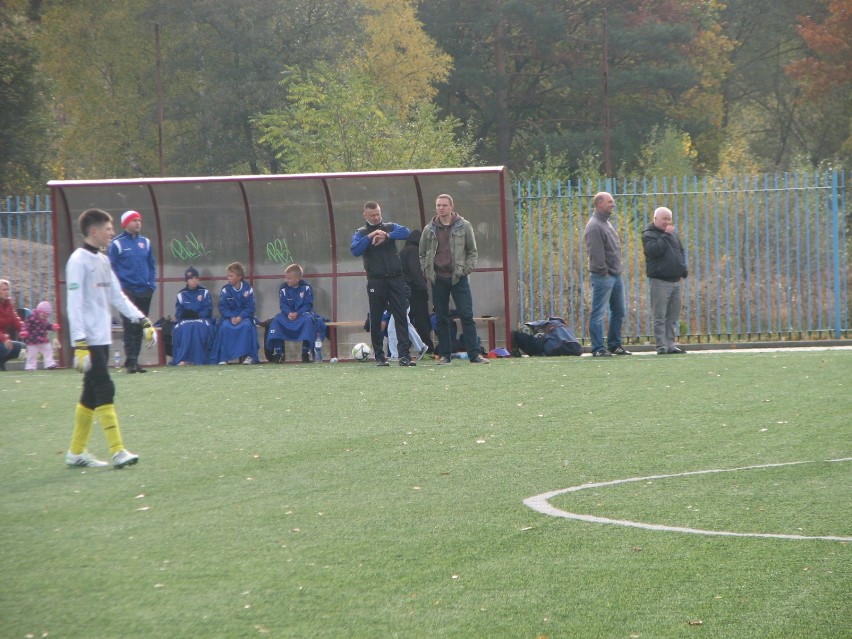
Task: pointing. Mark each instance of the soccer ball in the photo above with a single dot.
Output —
(361, 352)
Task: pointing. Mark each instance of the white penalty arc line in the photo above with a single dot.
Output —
(541, 503)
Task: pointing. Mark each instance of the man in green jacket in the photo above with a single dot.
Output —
(447, 256)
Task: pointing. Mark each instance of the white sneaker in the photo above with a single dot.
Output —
(248, 361)
(223, 363)
(84, 459)
(124, 458)
(422, 353)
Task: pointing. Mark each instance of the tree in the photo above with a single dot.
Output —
(100, 61)
(399, 55)
(529, 76)
(504, 54)
(25, 127)
(222, 66)
(826, 75)
(668, 153)
(831, 42)
(761, 102)
(373, 112)
(338, 119)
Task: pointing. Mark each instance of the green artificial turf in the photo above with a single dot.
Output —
(348, 500)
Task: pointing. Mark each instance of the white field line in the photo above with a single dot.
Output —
(772, 349)
(542, 504)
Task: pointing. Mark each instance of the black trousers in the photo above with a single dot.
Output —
(388, 293)
(98, 387)
(133, 329)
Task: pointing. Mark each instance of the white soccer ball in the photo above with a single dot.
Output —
(361, 352)
(333, 360)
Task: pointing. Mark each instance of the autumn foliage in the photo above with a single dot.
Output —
(831, 43)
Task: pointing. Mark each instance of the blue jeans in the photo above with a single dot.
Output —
(606, 290)
(7, 354)
(441, 291)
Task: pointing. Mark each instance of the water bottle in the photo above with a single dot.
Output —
(116, 359)
(318, 349)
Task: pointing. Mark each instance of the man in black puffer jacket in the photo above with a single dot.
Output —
(376, 243)
(665, 265)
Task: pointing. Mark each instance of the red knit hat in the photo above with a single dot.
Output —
(128, 217)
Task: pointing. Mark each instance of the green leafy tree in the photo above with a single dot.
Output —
(338, 119)
(399, 55)
(99, 61)
(529, 76)
(25, 125)
(505, 55)
(221, 66)
(668, 153)
(223, 63)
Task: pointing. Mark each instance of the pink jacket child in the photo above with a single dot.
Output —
(35, 336)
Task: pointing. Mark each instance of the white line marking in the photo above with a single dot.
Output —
(542, 504)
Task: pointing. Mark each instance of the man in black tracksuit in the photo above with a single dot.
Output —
(376, 243)
(418, 291)
(665, 264)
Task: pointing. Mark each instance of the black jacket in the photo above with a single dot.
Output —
(380, 261)
(664, 255)
(410, 257)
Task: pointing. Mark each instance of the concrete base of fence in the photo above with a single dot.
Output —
(18, 364)
(721, 346)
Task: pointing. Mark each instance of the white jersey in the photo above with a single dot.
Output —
(91, 288)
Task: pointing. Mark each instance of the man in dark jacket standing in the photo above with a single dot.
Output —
(665, 264)
(376, 243)
(419, 300)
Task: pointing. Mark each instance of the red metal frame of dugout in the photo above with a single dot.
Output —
(58, 194)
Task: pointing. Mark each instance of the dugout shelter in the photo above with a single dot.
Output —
(269, 221)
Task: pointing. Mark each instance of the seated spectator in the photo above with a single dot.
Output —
(194, 329)
(548, 337)
(35, 335)
(296, 321)
(417, 344)
(236, 334)
(10, 326)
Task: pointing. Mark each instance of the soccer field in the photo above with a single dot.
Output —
(349, 500)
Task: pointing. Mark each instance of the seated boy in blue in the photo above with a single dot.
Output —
(296, 321)
(236, 335)
(192, 336)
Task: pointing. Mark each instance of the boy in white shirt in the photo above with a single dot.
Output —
(92, 288)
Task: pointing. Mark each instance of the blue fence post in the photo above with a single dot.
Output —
(818, 231)
(835, 233)
(519, 207)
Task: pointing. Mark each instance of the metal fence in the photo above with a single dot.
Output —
(26, 249)
(767, 255)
